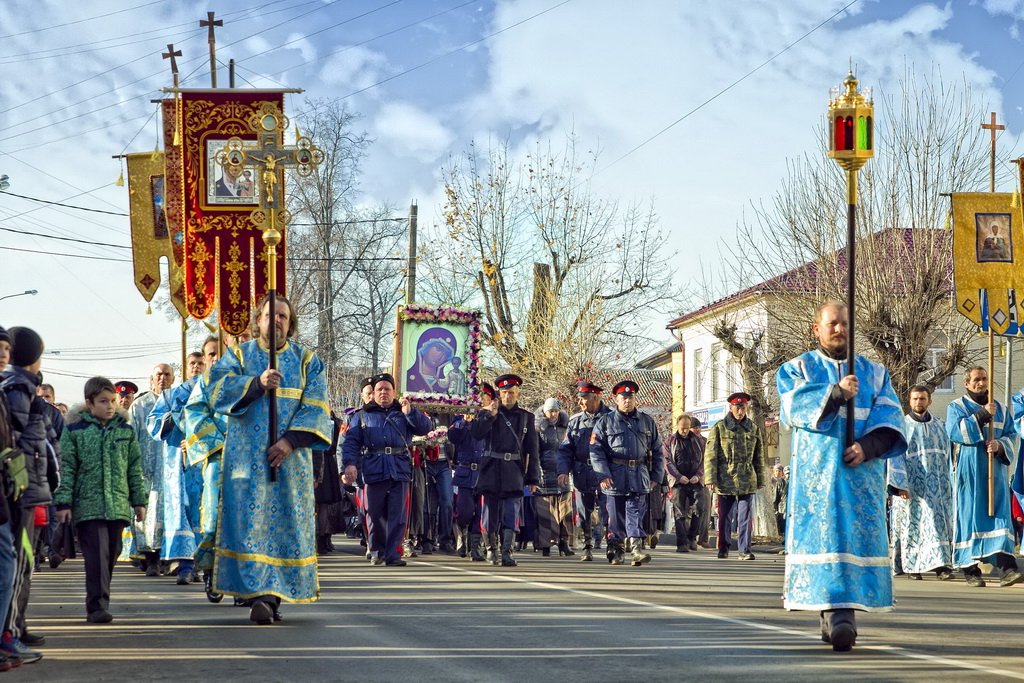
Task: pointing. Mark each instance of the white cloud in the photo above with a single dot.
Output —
(353, 69)
(408, 131)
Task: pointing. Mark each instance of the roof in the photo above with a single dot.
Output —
(804, 278)
(659, 357)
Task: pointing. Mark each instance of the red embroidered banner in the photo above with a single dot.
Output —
(219, 239)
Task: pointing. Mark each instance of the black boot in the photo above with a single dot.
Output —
(615, 552)
(564, 550)
(460, 534)
(507, 537)
(839, 628)
(681, 541)
(588, 553)
(152, 563)
(492, 549)
(475, 553)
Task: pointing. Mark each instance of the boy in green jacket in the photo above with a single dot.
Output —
(101, 481)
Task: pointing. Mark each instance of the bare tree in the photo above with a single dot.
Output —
(333, 249)
(928, 144)
(564, 277)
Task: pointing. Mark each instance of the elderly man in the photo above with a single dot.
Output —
(626, 453)
(265, 538)
(734, 469)
(126, 392)
(553, 501)
(149, 538)
(837, 557)
(684, 462)
(511, 462)
(377, 443)
(574, 458)
(984, 430)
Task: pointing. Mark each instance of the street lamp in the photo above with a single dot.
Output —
(851, 135)
(30, 292)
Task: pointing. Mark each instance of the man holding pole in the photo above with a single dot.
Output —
(837, 557)
(265, 548)
(984, 527)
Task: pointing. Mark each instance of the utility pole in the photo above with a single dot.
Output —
(410, 278)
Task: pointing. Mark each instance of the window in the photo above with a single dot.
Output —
(934, 360)
(698, 376)
(716, 362)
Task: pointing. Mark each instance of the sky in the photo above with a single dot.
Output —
(694, 106)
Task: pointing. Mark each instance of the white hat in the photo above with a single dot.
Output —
(552, 404)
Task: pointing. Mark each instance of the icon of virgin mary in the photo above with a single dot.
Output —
(434, 351)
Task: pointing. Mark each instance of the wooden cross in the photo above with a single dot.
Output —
(212, 40)
(171, 54)
(993, 127)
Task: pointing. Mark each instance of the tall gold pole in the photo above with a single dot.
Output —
(272, 237)
(992, 127)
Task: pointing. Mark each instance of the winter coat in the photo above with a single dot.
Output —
(734, 457)
(34, 434)
(627, 449)
(684, 456)
(379, 439)
(511, 433)
(468, 453)
(574, 451)
(102, 468)
(549, 437)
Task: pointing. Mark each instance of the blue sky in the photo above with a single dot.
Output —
(614, 73)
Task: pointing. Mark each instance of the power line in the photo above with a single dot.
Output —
(64, 239)
(82, 21)
(54, 253)
(69, 206)
(727, 88)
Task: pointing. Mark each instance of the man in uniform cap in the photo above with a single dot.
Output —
(734, 469)
(126, 393)
(574, 458)
(511, 460)
(626, 454)
(377, 444)
(468, 456)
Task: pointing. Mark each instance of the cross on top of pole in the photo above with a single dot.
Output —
(211, 23)
(993, 126)
(171, 54)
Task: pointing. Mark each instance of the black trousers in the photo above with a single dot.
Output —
(101, 544)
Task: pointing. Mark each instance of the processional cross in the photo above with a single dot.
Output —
(270, 159)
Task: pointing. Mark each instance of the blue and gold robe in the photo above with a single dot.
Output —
(180, 524)
(924, 523)
(266, 530)
(148, 535)
(204, 440)
(836, 541)
(977, 535)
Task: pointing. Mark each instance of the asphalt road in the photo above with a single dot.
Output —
(448, 619)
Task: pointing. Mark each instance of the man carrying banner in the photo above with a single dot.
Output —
(980, 537)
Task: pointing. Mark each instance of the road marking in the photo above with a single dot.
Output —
(890, 649)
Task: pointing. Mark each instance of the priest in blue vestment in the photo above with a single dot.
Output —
(978, 536)
(265, 548)
(837, 557)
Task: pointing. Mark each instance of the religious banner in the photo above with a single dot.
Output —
(223, 247)
(987, 252)
(437, 356)
(147, 194)
(150, 240)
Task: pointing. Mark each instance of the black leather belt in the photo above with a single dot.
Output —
(470, 466)
(507, 457)
(390, 450)
(626, 462)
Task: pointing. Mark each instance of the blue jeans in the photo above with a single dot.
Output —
(8, 565)
(440, 502)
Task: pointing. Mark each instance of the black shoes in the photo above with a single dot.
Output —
(395, 563)
(975, 581)
(1009, 578)
(101, 616)
(261, 613)
(722, 554)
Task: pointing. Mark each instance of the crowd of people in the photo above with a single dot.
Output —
(240, 475)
